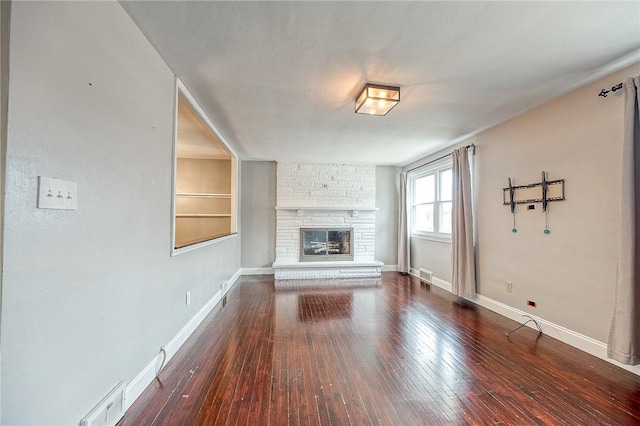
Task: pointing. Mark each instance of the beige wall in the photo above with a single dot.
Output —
(569, 273)
(203, 175)
(434, 256)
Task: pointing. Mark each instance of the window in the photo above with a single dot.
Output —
(205, 179)
(430, 195)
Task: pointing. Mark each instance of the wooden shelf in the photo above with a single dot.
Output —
(203, 215)
(345, 208)
(354, 210)
(202, 195)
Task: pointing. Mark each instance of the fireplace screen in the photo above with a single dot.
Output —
(325, 244)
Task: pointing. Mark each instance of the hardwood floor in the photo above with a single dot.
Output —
(400, 353)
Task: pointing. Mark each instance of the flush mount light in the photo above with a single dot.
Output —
(376, 99)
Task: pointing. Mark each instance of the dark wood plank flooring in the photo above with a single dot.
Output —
(401, 353)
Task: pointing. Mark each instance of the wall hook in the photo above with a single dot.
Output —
(605, 92)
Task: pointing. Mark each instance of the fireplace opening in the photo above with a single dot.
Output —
(326, 244)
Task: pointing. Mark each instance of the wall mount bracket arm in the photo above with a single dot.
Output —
(540, 192)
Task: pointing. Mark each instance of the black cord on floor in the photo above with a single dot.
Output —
(164, 358)
(526, 322)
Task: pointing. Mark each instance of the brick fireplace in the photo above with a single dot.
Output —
(325, 196)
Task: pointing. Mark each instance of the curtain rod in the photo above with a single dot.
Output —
(440, 158)
(604, 92)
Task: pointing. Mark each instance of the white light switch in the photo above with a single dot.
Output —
(57, 194)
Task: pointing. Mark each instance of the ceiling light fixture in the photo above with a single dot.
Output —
(376, 99)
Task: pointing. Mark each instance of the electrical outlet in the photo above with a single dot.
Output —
(188, 298)
(508, 285)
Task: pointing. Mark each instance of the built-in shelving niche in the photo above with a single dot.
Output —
(205, 178)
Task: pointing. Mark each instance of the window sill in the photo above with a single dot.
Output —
(432, 238)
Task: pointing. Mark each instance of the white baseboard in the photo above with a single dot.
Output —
(233, 279)
(257, 271)
(565, 335)
(389, 268)
(147, 375)
(445, 285)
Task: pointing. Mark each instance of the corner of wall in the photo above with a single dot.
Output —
(5, 15)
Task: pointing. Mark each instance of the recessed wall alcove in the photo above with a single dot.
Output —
(205, 178)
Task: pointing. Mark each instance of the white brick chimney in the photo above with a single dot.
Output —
(323, 196)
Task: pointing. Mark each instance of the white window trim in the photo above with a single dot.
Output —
(434, 168)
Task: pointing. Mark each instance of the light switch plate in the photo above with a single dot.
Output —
(57, 194)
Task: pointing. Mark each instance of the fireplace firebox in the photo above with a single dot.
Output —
(322, 244)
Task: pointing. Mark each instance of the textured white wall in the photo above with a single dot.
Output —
(90, 295)
(570, 273)
(5, 12)
(326, 185)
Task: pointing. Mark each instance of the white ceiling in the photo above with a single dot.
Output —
(279, 78)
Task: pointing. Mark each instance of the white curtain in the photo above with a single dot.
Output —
(463, 282)
(403, 227)
(624, 335)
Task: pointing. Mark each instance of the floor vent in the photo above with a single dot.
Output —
(426, 275)
(109, 411)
